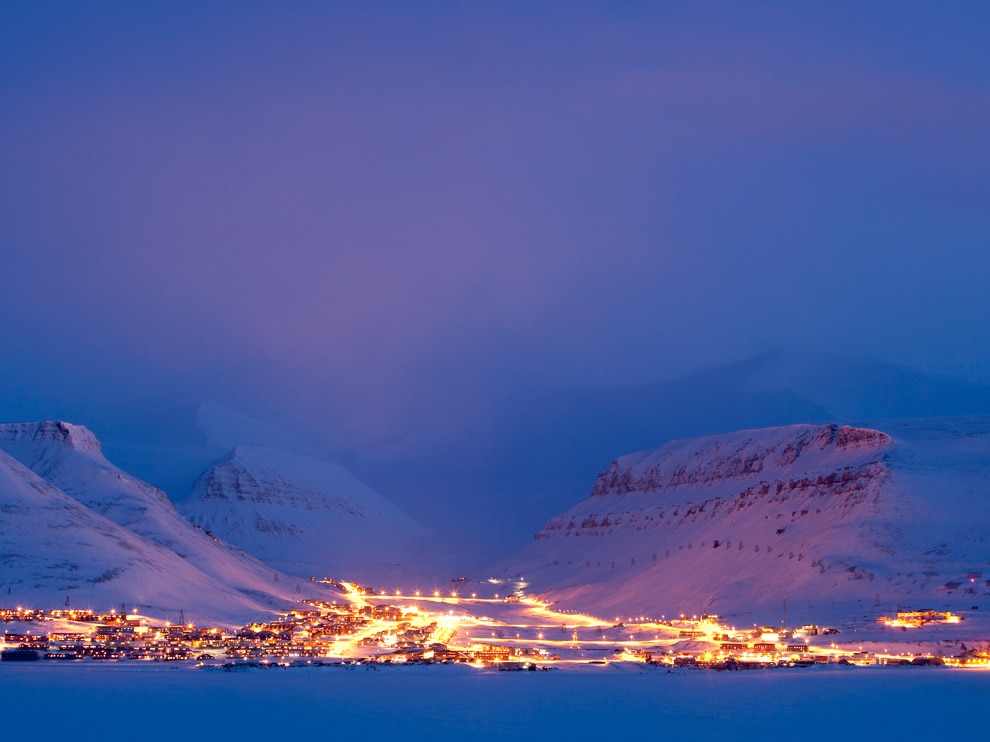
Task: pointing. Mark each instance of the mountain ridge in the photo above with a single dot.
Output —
(737, 523)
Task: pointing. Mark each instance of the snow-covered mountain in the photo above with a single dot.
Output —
(304, 515)
(836, 520)
(558, 439)
(54, 549)
(136, 529)
(524, 453)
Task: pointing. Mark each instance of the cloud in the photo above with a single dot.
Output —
(382, 221)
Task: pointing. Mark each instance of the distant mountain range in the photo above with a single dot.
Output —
(488, 478)
(264, 503)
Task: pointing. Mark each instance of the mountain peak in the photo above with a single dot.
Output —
(300, 514)
(75, 437)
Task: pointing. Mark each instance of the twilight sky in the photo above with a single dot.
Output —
(351, 217)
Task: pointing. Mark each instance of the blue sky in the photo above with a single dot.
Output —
(362, 216)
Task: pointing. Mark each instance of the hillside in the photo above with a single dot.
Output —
(836, 520)
(305, 516)
(69, 461)
(54, 551)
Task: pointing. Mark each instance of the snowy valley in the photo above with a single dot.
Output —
(672, 552)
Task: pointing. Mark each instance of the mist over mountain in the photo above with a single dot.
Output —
(463, 494)
(536, 454)
(492, 475)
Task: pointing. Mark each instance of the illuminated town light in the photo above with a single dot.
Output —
(379, 629)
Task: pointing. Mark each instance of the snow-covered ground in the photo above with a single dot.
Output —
(93, 701)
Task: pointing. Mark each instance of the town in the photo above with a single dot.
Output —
(506, 632)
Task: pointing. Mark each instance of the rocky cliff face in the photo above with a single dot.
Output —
(683, 483)
(50, 431)
(738, 458)
(837, 492)
(246, 477)
(740, 522)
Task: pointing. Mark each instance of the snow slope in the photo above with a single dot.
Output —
(304, 515)
(69, 458)
(836, 520)
(53, 548)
